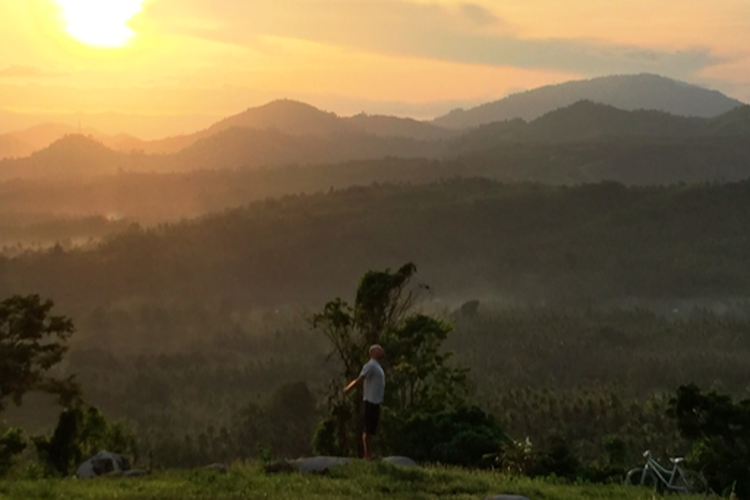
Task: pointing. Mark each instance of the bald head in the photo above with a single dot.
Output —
(377, 352)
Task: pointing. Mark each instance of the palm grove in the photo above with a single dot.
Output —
(429, 411)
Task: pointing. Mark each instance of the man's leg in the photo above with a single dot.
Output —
(366, 445)
(372, 412)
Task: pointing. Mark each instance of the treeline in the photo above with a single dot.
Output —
(593, 244)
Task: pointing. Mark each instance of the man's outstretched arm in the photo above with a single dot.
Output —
(351, 385)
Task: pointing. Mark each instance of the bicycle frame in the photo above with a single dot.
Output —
(665, 476)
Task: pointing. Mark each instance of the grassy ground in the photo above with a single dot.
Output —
(354, 481)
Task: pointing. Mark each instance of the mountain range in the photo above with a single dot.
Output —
(600, 130)
(632, 92)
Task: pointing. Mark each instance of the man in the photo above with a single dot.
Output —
(374, 380)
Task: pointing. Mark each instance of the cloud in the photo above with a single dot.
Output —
(478, 14)
(15, 71)
(465, 33)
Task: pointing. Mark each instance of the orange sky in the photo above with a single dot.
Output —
(211, 58)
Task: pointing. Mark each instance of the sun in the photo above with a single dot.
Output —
(101, 23)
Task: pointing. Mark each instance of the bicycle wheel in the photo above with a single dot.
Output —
(633, 477)
(636, 477)
(695, 483)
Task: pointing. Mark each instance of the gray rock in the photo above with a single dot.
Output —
(101, 464)
(318, 464)
(507, 497)
(402, 461)
(217, 467)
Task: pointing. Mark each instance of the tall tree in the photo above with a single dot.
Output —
(32, 343)
(419, 374)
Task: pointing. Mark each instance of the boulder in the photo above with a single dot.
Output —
(217, 467)
(402, 461)
(318, 465)
(101, 464)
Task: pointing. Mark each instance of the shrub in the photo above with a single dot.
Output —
(464, 436)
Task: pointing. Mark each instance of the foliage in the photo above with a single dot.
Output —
(420, 377)
(12, 444)
(82, 431)
(32, 342)
(280, 427)
(515, 458)
(720, 431)
(284, 426)
(557, 460)
(461, 436)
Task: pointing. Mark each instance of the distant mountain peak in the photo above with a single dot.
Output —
(294, 117)
(289, 104)
(626, 92)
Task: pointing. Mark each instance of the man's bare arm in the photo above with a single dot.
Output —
(351, 385)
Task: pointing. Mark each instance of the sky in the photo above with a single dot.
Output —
(192, 61)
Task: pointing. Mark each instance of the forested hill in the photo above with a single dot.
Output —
(470, 238)
(586, 120)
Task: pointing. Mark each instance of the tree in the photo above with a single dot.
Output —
(82, 431)
(32, 342)
(720, 431)
(420, 377)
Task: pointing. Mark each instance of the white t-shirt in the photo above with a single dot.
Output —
(374, 382)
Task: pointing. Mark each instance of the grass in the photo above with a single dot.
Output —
(353, 481)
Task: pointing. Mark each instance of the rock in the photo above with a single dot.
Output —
(318, 465)
(507, 497)
(402, 461)
(134, 473)
(217, 467)
(103, 463)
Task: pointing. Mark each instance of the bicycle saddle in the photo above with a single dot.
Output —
(678, 460)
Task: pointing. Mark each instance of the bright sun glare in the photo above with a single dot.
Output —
(100, 22)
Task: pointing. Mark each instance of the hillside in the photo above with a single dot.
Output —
(732, 123)
(248, 147)
(295, 118)
(12, 147)
(236, 147)
(39, 137)
(627, 92)
(470, 237)
(73, 155)
(390, 126)
(149, 193)
(584, 121)
(291, 117)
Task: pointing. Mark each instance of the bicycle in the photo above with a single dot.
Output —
(678, 479)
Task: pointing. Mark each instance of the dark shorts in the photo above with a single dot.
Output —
(372, 416)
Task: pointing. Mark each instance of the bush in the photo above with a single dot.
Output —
(12, 444)
(720, 432)
(81, 432)
(464, 436)
(558, 460)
